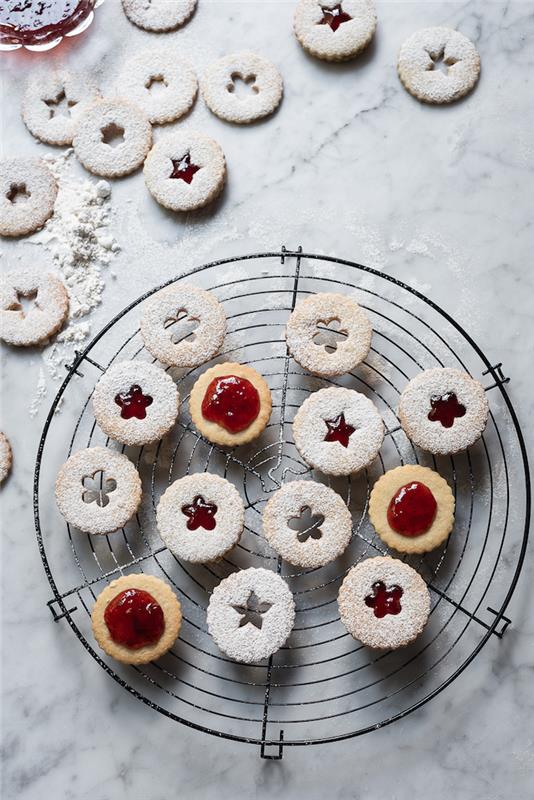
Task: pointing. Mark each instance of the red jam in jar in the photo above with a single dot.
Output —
(34, 22)
(232, 402)
(134, 619)
(412, 509)
(384, 600)
(201, 514)
(338, 430)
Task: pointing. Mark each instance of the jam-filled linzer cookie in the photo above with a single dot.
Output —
(443, 410)
(136, 619)
(230, 404)
(412, 509)
(384, 603)
(200, 517)
(334, 31)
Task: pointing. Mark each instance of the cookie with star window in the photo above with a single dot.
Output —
(334, 31)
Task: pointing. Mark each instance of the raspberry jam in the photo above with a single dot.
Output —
(338, 430)
(445, 409)
(334, 17)
(384, 600)
(134, 619)
(201, 514)
(412, 509)
(34, 22)
(232, 402)
(183, 169)
(133, 403)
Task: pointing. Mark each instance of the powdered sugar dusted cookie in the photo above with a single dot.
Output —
(338, 431)
(135, 402)
(307, 523)
(183, 325)
(28, 191)
(443, 410)
(420, 56)
(384, 603)
(6, 457)
(251, 614)
(264, 93)
(158, 15)
(98, 490)
(163, 85)
(200, 517)
(112, 138)
(334, 31)
(314, 348)
(185, 170)
(46, 314)
(52, 103)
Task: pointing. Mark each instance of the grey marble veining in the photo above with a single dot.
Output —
(351, 165)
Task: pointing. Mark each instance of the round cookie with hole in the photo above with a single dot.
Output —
(6, 457)
(334, 31)
(159, 16)
(28, 192)
(33, 307)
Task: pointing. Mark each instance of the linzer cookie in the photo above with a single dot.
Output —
(28, 191)
(334, 31)
(6, 457)
(158, 15)
(48, 303)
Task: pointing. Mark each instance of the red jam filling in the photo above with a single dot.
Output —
(232, 402)
(201, 514)
(133, 403)
(334, 17)
(384, 600)
(338, 430)
(40, 21)
(183, 169)
(134, 619)
(445, 409)
(412, 509)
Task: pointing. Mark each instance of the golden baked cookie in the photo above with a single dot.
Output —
(230, 404)
(136, 619)
(412, 509)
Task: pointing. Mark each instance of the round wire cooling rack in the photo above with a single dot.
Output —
(322, 686)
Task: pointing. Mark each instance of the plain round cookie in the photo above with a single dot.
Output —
(123, 502)
(6, 457)
(415, 404)
(393, 630)
(28, 192)
(103, 119)
(317, 37)
(44, 95)
(200, 545)
(265, 87)
(387, 487)
(174, 75)
(251, 588)
(166, 599)
(416, 62)
(44, 319)
(190, 303)
(320, 310)
(327, 409)
(287, 504)
(111, 402)
(158, 15)
(181, 153)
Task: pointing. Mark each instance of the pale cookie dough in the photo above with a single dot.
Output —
(251, 614)
(90, 514)
(383, 574)
(108, 120)
(415, 405)
(387, 487)
(166, 599)
(53, 102)
(184, 535)
(192, 155)
(334, 31)
(417, 65)
(28, 192)
(265, 87)
(304, 334)
(191, 305)
(212, 430)
(6, 457)
(47, 314)
(158, 15)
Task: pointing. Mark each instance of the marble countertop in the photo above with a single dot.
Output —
(352, 166)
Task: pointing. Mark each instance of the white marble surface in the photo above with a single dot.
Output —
(353, 166)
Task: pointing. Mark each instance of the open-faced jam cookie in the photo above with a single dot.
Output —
(338, 431)
(412, 508)
(33, 306)
(230, 404)
(98, 490)
(334, 31)
(158, 15)
(443, 410)
(384, 603)
(251, 614)
(136, 619)
(307, 523)
(6, 457)
(28, 192)
(200, 517)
